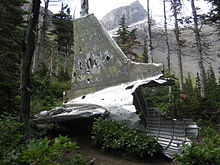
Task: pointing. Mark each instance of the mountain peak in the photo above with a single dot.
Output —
(135, 3)
(134, 12)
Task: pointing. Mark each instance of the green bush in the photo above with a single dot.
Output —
(10, 138)
(111, 135)
(47, 92)
(45, 151)
(77, 160)
(14, 150)
(207, 151)
(198, 154)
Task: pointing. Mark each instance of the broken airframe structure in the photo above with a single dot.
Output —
(106, 83)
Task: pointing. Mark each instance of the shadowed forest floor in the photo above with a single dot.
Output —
(97, 157)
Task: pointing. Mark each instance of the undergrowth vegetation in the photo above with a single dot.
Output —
(47, 91)
(111, 135)
(207, 151)
(14, 150)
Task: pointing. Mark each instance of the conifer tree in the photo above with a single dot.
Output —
(166, 37)
(64, 35)
(149, 34)
(122, 34)
(211, 84)
(11, 44)
(127, 39)
(176, 5)
(188, 87)
(199, 49)
(145, 52)
(41, 40)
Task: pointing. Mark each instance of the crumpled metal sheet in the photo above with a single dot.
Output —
(170, 133)
(70, 112)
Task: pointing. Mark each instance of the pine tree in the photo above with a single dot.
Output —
(200, 50)
(188, 87)
(166, 36)
(197, 86)
(127, 39)
(41, 40)
(211, 84)
(122, 34)
(145, 52)
(176, 5)
(64, 36)
(11, 45)
(149, 34)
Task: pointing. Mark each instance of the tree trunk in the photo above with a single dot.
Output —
(149, 34)
(166, 36)
(66, 59)
(84, 8)
(179, 51)
(26, 65)
(199, 47)
(40, 49)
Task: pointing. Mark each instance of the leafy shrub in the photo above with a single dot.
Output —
(47, 92)
(45, 151)
(77, 160)
(15, 151)
(10, 137)
(197, 154)
(206, 152)
(111, 135)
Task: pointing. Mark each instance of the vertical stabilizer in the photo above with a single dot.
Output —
(99, 62)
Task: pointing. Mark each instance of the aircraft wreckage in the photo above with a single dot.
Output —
(106, 83)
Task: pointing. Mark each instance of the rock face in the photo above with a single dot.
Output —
(135, 12)
(190, 55)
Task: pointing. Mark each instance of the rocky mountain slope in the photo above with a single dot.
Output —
(133, 13)
(209, 33)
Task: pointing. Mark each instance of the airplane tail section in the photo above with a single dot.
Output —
(99, 62)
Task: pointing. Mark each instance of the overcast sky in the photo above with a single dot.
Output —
(102, 7)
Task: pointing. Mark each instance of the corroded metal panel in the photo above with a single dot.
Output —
(99, 62)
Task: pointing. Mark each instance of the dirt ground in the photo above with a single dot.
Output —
(97, 157)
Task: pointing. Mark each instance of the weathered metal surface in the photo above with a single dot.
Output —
(171, 134)
(99, 62)
(70, 112)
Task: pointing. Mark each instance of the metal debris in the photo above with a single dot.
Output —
(105, 82)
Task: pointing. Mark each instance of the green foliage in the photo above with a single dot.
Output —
(205, 152)
(63, 36)
(45, 151)
(11, 37)
(77, 160)
(188, 103)
(145, 52)
(127, 39)
(10, 137)
(62, 75)
(14, 150)
(111, 135)
(47, 92)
